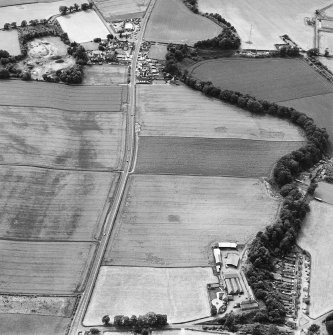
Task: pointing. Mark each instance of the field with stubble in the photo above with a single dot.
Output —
(172, 221)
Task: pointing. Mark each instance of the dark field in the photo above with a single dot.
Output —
(210, 156)
(271, 79)
(52, 204)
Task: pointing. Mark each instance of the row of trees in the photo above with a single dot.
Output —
(150, 319)
(75, 8)
(221, 20)
(24, 23)
(227, 40)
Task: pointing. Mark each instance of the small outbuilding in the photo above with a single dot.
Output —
(227, 245)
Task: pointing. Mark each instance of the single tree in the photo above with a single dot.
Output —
(24, 23)
(106, 320)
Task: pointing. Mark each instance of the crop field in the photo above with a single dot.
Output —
(55, 138)
(158, 51)
(121, 9)
(83, 26)
(44, 267)
(319, 107)
(52, 204)
(269, 20)
(271, 79)
(210, 156)
(172, 221)
(72, 98)
(316, 238)
(179, 111)
(4, 3)
(9, 42)
(180, 293)
(172, 21)
(105, 74)
(37, 10)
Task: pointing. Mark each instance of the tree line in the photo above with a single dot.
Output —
(227, 40)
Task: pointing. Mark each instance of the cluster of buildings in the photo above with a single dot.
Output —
(128, 28)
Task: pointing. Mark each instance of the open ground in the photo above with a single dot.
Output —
(55, 138)
(158, 51)
(268, 19)
(105, 74)
(180, 293)
(172, 21)
(52, 204)
(271, 79)
(325, 192)
(44, 267)
(316, 238)
(174, 220)
(9, 42)
(180, 111)
(83, 26)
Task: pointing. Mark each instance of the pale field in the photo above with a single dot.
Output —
(210, 156)
(25, 324)
(327, 61)
(114, 9)
(172, 221)
(316, 238)
(180, 293)
(54, 138)
(273, 79)
(44, 267)
(42, 10)
(105, 74)
(172, 21)
(9, 42)
(52, 204)
(4, 3)
(39, 305)
(182, 331)
(319, 107)
(269, 20)
(72, 98)
(179, 111)
(325, 192)
(157, 51)
(83, 26)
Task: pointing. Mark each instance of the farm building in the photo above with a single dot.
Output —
(248, 305)
(217, 256)
(232, 260)
(233, 284)
(227, 245)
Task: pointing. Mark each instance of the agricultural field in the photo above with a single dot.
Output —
(316, 238)
(172, 21)
(181, 293)
(29, 324)
(210, 156)
(122, 9)
(105, 74)
(52, 204)
(71, 98)
(4, 3)
(269, 20)
(157, 51)
(319, 107)
(83, 26)
(271, 79)
(44, 267)
(180, 111)
(172, 221)
(9, 42)
(67, 140)
(325, 192)
(35, 10)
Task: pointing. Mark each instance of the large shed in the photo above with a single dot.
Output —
(228, 245)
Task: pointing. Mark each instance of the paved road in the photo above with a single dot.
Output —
(77, 322)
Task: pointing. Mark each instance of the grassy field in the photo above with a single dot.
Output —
(52, 306)
(325, 192)
(210, 156)
(172, 21)
(158, 51)
(172, 221)
(83, 26)
(44, 267)
(180, 293)
(319, 107)
(269, 20)
(9, 42)
(52, 204)
(59, 139)
(105, 74)
(72, 98)
(121, 9)
(179, 111)
(271, 79)
(316, 238)
(21, 324)
(4, 3)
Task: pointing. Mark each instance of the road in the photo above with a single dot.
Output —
(77, 322)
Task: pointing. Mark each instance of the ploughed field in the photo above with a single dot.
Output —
(172, 21)
(271, 79)
(172, 221)
(180, 293)
(105, 74)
